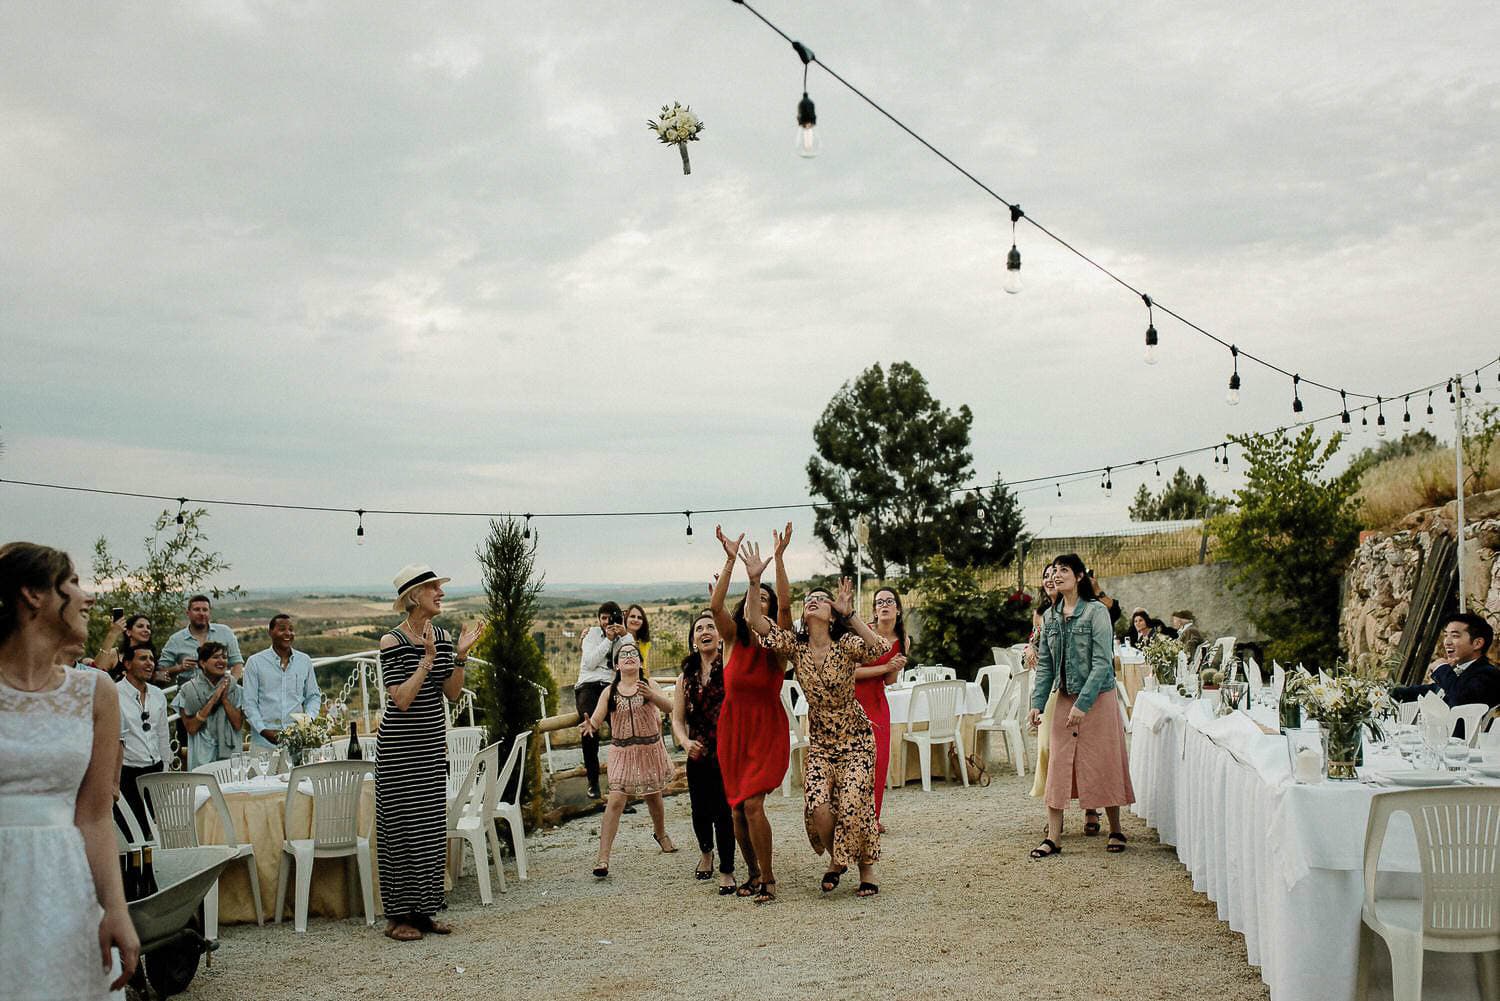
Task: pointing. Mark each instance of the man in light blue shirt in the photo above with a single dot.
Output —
(278, 682)
(179, 657)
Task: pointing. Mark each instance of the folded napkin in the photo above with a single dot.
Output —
(1434, 719)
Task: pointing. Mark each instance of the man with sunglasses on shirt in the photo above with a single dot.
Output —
(145, 742)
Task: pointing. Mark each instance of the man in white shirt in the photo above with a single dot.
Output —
(146, 745)
(594, 675)
(278, 682)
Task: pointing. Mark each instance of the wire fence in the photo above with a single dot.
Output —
(1152, 546)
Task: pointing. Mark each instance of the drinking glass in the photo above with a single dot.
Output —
(263, 763)
(237, 766)
(1456, 757)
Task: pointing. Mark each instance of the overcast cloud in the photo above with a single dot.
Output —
(429, 256)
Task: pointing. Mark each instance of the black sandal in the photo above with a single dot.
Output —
(703, 873)
(867, 890)
(831, 879)
(766, 894)
(1051, 848)
(748, 888)
(1116, 842)
(725, 891)
(1091, 822)
(600, 871)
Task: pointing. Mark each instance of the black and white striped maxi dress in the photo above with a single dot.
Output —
(411, 819)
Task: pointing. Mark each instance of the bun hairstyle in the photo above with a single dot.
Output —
(28, 565)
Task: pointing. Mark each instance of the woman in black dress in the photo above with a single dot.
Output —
(695, 726)
(420, 664)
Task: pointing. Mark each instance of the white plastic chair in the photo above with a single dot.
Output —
(1489, 740)
(942, 700)
(934, 672)
(1406, 712)
(136, 836)
(172, 808)
(992, 681)
(1473, 716)
(1123, 700)
(1001, 716)
(909, 676)
(221, 770)
(791, 693)
(463, 743)
(336, 788)
(509, 810)
(1459, 909)
(1005, 658)
(470, 822)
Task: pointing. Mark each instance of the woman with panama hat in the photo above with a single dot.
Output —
(420, 664)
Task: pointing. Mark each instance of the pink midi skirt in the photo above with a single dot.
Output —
(1091, 767)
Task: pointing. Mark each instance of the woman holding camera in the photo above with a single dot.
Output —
(125, 631)
(1087, 759)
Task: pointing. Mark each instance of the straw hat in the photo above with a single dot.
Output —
(413, 575)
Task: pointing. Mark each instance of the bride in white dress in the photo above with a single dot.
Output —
(59, 750)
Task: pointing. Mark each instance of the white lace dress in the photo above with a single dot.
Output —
(49, 913)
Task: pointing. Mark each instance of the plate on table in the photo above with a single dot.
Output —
(1488, 768)
(1421, 778)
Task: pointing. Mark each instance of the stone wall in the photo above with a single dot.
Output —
(1205, 589)
(1383, 574)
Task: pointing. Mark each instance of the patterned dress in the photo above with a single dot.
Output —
(841, 752)
(638, 762)
(49, 924)
(411, 777)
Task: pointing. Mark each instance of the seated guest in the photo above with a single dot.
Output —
(278, 682)
(179, 657)
(1141, 630)
(1187, 632)
(1162, 629)
(1467, 676)
(209, 705)
(144, 740)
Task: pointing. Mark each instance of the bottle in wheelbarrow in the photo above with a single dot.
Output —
(148, 874)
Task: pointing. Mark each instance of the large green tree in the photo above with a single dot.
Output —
(891, 453)
(1291, 534)
(1182, 498)
(510, 690)
(178, 565)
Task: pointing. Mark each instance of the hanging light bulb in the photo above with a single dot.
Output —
(689, 516)
(807, 116)
(1296, 397)
(1344, 405)
(1379, 417)
(1234, 380)
(1013, 259)
(1477, 387)
(526, 529)
(1151, 338)
(1226, 458)
(1364, 419)
(359, 530)
(1406, 417)
(1109, 483)
(1059, 488)
(1450, 391)
(180, 502)
(1158, 469)
(1431, 417)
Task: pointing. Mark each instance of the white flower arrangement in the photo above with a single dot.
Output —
(677, 126)
(1346, 700)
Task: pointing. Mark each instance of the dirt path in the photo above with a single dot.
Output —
(962, 911)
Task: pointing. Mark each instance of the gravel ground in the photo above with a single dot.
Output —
(961, 911)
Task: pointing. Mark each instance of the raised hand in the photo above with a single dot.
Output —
(469, 637)
(781, 540)
(731, 549)
(844, 603)
(750, 556)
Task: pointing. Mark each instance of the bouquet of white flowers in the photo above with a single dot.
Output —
(304, 733)
(1343, 706)
(677, 126)
(1161, 654)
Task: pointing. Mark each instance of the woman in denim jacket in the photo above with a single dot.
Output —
(1075, 656)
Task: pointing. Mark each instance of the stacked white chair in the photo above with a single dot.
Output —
(791, 694)
(1006, 658)
(1406, 712)
(509, 810)
(1489, 740)
(996, 682)
(221, 770)
(1459, 909)
(470, 822)
(934, 672)
(172, 808)
(942, 701)
(336, 787)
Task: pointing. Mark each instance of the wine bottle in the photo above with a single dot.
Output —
(355, 754)
(1289, 711)
(125, 872)
(133, 875)
(148, 873)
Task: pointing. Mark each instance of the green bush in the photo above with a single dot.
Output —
(961, 619)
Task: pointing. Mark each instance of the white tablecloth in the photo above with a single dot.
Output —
(1282, 861)
(898, 697)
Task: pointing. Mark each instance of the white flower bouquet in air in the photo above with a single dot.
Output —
(677, 126)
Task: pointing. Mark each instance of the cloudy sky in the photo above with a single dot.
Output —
(428, 255)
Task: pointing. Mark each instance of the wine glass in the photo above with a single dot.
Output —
(262, 763)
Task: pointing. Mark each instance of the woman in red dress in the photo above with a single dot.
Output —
(871, 679)
(754, 741)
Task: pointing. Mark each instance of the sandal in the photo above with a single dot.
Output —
(403, 933)
(867, 890)
(600, 871)
(766, 894)
(831, 879)
(439, 927)
(1116, 843)
(703, 873)
(725, 891)
(748, 888)
(1046, 849)
(668, 851)
(1091, 822)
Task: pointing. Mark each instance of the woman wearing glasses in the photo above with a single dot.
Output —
(871, 679)
(839, 808)
(638, 762)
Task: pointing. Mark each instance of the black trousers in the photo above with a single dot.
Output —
(712, 819)
(586, 698)
(131, 794)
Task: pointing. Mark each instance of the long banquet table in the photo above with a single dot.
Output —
(1282, 861)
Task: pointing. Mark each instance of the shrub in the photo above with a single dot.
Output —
(961, 619)
(1392, 490)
